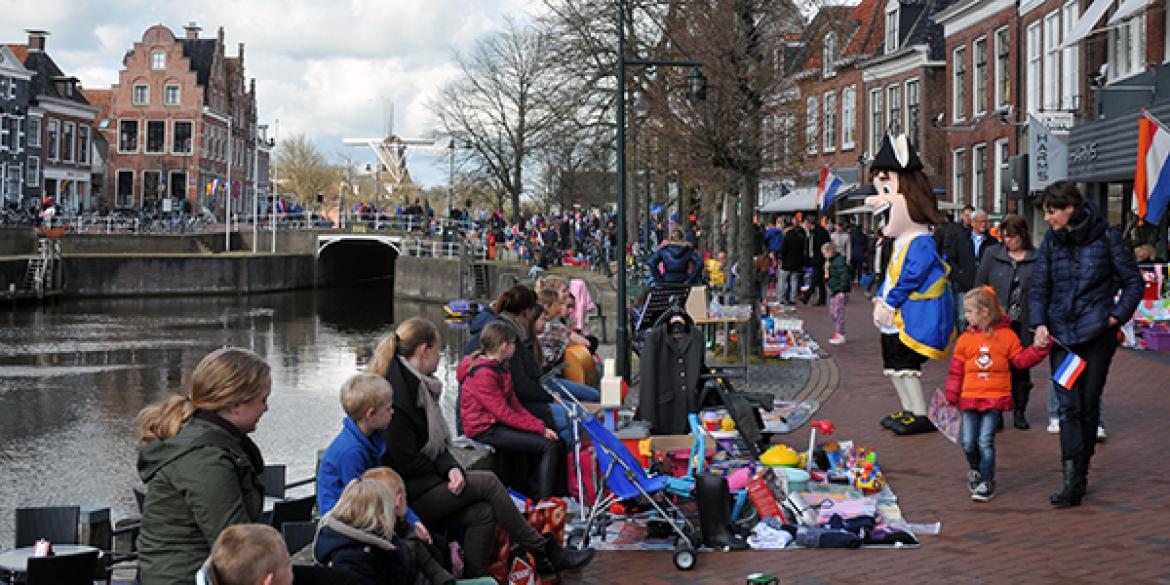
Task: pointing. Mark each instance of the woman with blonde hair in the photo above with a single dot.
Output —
(439, 490)
(201, 470)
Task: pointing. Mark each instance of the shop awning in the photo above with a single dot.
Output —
(1088, 20)
(1127, 9)
(802, 199)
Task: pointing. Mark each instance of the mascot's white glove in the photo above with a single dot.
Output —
(883, 314)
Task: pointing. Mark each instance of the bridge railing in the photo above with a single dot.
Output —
(431, 248)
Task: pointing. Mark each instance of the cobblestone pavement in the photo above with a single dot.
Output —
(1117, 536)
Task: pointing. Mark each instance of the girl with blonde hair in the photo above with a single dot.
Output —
(357, 535)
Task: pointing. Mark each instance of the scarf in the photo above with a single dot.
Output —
(430, 389)
(510, 320)
(249, 447)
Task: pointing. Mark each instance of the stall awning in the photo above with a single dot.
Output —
(802, 199)
(1088, 20)
(1127, 9)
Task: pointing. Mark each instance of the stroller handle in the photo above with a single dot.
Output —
(555, 372)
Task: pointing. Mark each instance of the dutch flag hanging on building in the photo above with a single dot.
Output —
(1070, 369)
(1151, 182)
(827, 189)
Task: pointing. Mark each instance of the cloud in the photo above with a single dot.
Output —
(325, 69)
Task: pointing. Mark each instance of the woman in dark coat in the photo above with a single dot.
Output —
(1079, 268)
(1007, 268)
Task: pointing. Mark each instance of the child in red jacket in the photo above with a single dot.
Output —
(491, 412)
(980, 382)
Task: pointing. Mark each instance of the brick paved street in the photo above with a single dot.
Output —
(1117, 536)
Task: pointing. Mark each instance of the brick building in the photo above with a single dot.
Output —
(182, 119)
(60, 121)
(15, 172)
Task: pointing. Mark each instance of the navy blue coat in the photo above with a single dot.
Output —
(1078, 273)
(680, 264)
(367, 562)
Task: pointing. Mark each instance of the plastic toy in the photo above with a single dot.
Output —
(868, 479)
(728, 423)
(780, 456)
(825, 427)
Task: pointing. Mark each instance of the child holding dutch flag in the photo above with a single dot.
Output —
(1085, 285)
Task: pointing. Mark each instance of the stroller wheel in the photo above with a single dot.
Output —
(684, 557)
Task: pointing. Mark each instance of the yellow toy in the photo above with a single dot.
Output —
(867, 479)
(728, 423)
(780, 456)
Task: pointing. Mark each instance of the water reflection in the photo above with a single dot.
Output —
(73, 376)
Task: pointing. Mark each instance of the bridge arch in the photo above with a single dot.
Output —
(356, 259)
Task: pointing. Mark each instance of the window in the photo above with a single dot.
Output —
(34, 172)
(5, 135)
(959, 84)
(181, 138)
(894, 104)
(848, 117)
(830, 122)
(811, 134)
(1002, 157)
(158, 60)
(34, 132)
(1033, 89)
(876, 131)
(128, 136)
(177, 185)
(1070, 73)
(913, 116)
(979, 176)
(1051, 99)
(12, 181)
(83, 144)
(124, 196)
(979, 91)
(12, 88)
(171, 95)
(156, 136)
(4, 84)
(141, 95)
(959, 180)
(1003, 68)
(829, 55)
(151, 188)
(892, 26)
(786, 128)
(67, 144)
(53, 136)
(1127, 45)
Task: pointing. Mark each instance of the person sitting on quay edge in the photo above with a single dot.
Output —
(675, 261)
(201, 471)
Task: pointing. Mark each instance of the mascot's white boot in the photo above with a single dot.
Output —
(890, 419)
(914, 402)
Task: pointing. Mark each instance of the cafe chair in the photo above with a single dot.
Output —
(297, 535)
(62, 570)
(294, 510)
(273, 478)
(56, 524)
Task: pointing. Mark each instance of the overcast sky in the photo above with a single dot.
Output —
(326, 69)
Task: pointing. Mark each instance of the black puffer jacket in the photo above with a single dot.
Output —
(1078, 272)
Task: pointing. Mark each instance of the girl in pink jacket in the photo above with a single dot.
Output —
(492, 414)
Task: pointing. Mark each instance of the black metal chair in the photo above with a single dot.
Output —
(297, 534)
(57, 524)
(62, 570)
(273, 478)
(294, 510)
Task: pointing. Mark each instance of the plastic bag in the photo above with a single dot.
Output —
(945, 416)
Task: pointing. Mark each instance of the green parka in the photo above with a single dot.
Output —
(198, 482)
(838, 280)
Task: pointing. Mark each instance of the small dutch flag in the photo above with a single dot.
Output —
(1070, 369)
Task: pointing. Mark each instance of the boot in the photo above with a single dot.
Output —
(1019, 420)
(553, 558)
(1073, 487)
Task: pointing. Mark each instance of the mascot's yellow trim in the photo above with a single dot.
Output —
(934, 291)
(919, 347)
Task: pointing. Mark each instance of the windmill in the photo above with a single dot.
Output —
(391, 153)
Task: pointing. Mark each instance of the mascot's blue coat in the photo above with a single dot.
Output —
(916, 286)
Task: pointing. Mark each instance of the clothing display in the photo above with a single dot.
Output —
(671, 365)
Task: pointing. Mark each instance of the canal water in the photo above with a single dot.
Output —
(73, 375)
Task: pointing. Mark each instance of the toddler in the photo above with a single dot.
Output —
(837, 279)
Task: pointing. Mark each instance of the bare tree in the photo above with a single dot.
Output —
(304, 171)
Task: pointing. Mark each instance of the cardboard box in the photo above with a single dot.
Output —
(677, 442)
(697, 303)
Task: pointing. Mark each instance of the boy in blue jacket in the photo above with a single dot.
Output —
(368, 403)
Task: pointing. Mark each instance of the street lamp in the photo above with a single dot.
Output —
(451, 176)
(696, 90)
(261, 143)
(227, 211)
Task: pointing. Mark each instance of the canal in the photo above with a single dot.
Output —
(73, 375)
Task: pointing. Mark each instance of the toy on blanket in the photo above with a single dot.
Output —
(868, 479)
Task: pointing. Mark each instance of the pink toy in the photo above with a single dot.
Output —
(738, 479)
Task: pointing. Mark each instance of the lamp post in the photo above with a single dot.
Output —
(227, 209)
(261, 142)
(696, 90)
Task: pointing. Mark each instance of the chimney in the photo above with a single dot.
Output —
(219, 35)
(36, 40)
(192, 30)
(240, 56)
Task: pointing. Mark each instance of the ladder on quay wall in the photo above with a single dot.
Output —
(480, 275)
(38, 276)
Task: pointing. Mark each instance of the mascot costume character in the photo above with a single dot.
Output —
(914, 309)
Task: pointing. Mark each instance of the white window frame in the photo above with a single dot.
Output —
(891, 43)
(1129, 34)
(829, 55)
(33, 171)
(830, 116)
(137, 136)
(69, 140)
(133, 197)
(876, 116)
(1002, 159)
(812, 129)
(1035, 41)
(146, 138)
(849, 117)
(1003, 36)
(34, 136)
(83, 146)
(1051, 98)
(155, 57)
(959, 83)
(3, 134)
(895, 113)
(1070, 73)
(53, 147)
(979, 78)
(167, 101)
(913, 118)
(191, 138)
(136, 99)
(171, 183)
(21, 135)
(958, 178)
(979, 176)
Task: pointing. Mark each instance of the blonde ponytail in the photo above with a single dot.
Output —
(405, 341)
(163, 419)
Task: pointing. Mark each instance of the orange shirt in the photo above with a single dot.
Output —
(987, 363)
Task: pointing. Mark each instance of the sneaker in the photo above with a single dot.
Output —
(973, 480)
(1054, 426)
(1101, 436)
(837, 340)
(984, 492)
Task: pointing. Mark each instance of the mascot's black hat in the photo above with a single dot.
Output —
(896, 154)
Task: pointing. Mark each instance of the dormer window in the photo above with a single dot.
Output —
(829, 55)
(158, 61)
(892, 25)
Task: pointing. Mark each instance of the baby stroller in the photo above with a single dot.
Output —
(625, 479)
